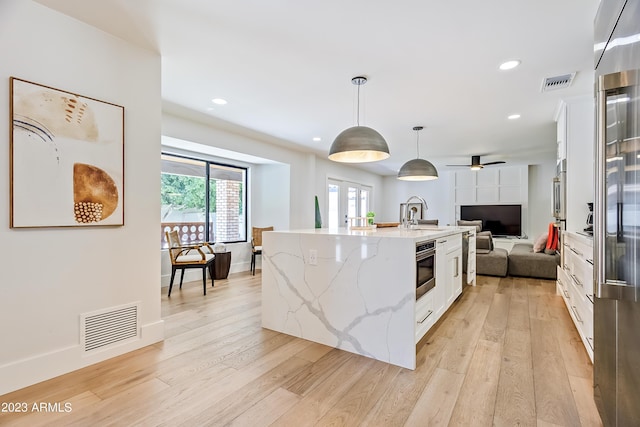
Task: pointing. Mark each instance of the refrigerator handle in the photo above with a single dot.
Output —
(610, 288)
(600, 184)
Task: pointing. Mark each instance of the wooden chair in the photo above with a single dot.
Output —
(189, 256)
(256, 245)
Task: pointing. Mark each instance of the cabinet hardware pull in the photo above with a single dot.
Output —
(577, 282)
(590, 261)
(578, 318)
(566, 294)
(576, 252)
(457, 266)
(426, 317)
(590, 341)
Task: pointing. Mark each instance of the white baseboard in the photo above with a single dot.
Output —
(42, 367)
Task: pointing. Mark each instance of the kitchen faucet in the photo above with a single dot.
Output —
(406, 221)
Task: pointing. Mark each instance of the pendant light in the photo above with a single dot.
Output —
(417, 169)
(359, 144)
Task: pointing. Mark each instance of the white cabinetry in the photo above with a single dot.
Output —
(575, 129)
(491, 185)
(451, 264)
(432, 305)
(425, 313)
(575, 284)
(440, 293)
(471, 258)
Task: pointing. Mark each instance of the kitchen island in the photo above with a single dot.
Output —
(356, 290)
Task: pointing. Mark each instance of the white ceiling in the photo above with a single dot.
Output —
(285, 67)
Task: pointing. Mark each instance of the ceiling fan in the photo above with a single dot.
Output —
(476, 165)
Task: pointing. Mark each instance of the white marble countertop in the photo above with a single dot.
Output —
(418, 233)
(350, 289)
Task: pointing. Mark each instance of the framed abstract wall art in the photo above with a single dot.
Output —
(66, 158)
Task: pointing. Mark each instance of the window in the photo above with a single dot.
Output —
(203, 200)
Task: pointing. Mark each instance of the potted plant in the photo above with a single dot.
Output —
(370, 216)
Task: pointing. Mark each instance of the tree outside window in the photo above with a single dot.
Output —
(185, 183)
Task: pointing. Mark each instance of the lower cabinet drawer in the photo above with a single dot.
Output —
(453, 243)
(425, 314)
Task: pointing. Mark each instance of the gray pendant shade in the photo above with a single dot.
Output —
(418, 169)
(359, 144)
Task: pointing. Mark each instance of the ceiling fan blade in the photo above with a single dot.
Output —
(460, 165)
(493, 163)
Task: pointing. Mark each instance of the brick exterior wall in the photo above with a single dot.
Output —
(227, 210)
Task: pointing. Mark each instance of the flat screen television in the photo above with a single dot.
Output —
(501, 220)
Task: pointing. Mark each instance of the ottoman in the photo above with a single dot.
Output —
(492, 263)
(524, 262)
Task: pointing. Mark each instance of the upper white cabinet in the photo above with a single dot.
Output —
(576, 144)
(491, 185)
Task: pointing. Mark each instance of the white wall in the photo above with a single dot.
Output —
(271, 192)
(196, 127)
(50, 276)
(282, 193)
(540, 177)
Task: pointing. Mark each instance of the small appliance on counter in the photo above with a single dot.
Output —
(589, 228)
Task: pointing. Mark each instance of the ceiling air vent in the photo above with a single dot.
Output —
(557, 82)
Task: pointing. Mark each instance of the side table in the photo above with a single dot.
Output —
(222, 264)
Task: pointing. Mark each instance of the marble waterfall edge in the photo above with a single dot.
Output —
(359, 296)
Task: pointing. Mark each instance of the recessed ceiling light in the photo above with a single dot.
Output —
(509, 64)
(219, 101)
(317, 139)
(514, 116)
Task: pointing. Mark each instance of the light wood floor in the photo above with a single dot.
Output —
(505, 354)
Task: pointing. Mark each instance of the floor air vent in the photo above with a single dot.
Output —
(108, 327)
(557, 82)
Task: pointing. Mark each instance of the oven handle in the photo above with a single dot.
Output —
(424, 255)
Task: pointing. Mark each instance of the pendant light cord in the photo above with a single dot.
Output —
(418, 143)
(358, 115)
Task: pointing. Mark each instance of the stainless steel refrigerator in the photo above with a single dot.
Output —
(617, 213)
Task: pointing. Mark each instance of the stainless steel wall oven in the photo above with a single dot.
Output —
(425, 267)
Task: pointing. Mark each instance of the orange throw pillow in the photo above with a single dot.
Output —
(552, 238)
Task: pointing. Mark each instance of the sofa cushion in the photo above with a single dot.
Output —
(540, 243)
(484, 242)
(523, 261)
(477, 223)
(493, 263)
